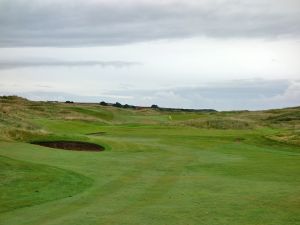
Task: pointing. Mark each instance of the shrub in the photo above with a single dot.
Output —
(117, 104)
(154, 106)
(103, 103)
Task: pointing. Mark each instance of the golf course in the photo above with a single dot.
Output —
(85, 164)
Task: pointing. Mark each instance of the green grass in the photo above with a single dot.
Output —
(155, 170)
(100, 113)
(26, 184)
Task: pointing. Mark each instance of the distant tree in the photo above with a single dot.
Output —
(103, 103)
(70, 102)
(126, 106)
(154, 106)
(117, 104)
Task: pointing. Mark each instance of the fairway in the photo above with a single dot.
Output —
(157, 167)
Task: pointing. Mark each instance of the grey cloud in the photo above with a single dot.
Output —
(234, 95)
(239, 94)
(237, 89)
(14, 64)
(62, 96)
(89, 23)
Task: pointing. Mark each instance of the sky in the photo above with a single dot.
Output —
(220, 54)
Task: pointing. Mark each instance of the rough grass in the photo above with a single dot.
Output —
(286, 117)
(219, 123)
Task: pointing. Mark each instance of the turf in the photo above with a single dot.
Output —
(26, 184)
(158, 167)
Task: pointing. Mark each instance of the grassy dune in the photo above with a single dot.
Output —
(159, 167)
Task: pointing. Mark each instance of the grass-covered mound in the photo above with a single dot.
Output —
(25, 184)
(219, 123)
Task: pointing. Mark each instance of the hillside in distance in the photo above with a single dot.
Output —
(21, 119)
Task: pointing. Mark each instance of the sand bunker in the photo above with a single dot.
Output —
(71, 145)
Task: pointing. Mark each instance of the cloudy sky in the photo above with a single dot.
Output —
(222, 54)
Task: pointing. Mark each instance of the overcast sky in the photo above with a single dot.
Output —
(222, 54)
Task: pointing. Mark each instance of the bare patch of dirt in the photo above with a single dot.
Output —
(239, 139)
(71, 145)
(97, 133)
